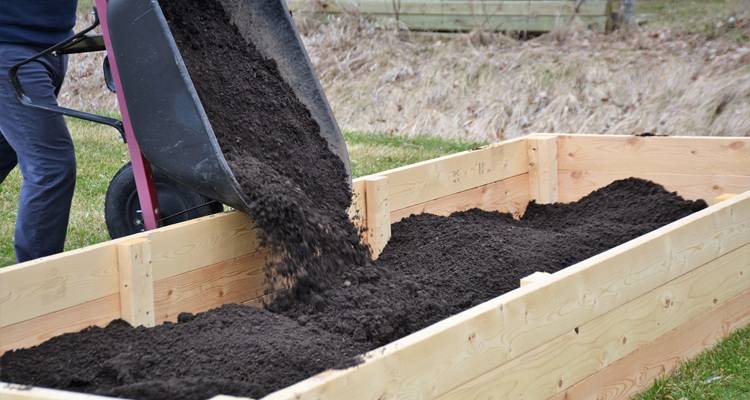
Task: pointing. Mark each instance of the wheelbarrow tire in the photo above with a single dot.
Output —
(122, 207)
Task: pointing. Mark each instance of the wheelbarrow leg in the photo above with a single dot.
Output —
(141, 168)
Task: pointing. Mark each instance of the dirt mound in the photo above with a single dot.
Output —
(432, 268)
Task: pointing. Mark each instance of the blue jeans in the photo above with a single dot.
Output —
(39, 142)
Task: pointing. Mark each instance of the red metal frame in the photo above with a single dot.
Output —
(144, 181)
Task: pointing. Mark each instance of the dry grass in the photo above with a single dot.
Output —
(686, 72)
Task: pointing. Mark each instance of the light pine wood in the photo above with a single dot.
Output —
(136, 282)
(638, 370)
(574, 185)
(428, 180)
(509, 195)
(9, 391)
(437, 359)
(543, 169)
(722, 197)
(534, 278)
(378, 214)
(50, 284)
(548, 369)
(237, 280)
(722, 156)
(194, 244)
(357, 211)
(33, 331)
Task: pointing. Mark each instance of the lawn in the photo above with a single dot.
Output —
(100, 154)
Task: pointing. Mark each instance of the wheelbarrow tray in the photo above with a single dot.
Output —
(170, 123)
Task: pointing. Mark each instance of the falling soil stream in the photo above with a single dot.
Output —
(343, 305)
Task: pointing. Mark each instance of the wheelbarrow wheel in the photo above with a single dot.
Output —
(122, 209)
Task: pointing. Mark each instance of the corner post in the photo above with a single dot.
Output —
(378, 214)
(542, 152)
(136, 282)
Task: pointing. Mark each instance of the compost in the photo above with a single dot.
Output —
(433, 267)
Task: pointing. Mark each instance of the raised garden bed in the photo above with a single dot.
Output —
(604, 327)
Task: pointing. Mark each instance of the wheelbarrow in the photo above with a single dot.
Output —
(177, 169)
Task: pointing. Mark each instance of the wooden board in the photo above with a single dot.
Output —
(9, 391)
(33, 331)
(546, 370)
(54, 283)
(194, 244)
(428, 180)
(638, 370)
(509, 195)
(453, 351)
(543, 186)
(720, 156)
(233, 281)
(575, 184)
(136, 282)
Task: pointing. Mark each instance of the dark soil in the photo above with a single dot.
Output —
(296, 187)
(432, 268)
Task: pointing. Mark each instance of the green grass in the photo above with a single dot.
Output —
(100, 154)
(708, 18)
(722, 373)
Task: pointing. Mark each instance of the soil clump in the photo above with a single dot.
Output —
(433, 267)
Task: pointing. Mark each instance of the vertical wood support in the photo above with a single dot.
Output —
(136, 282)
(378, 214)
(543, 169)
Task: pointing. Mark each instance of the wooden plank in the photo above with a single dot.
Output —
(573, 185)
(722, 197)
(441, 357)
(534, 278)
(11, 391)
(357, 211)
(637, 371)
(31, 332)
(456, 7)
(136, 282)
(378, 214)
(50, 284)
(194, 244)
(233, 281)
(663, 155)
(432, 179)
(590, 347)
(543, 169)
(508, 195)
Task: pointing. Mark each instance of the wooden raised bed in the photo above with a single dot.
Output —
(601, 329)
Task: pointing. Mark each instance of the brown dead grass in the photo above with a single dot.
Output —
(482, 86)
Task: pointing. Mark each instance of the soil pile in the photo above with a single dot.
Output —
(296, 187)
(433, 267)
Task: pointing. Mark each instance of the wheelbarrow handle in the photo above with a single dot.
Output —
(60, 49)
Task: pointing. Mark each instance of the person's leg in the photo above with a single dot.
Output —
(44, 150)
